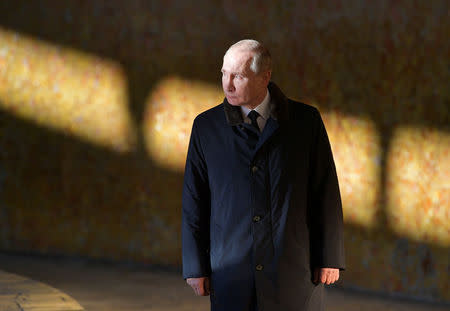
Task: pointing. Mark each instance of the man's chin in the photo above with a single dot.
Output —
(233, 101)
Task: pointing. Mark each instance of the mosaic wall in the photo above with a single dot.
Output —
(97, 101)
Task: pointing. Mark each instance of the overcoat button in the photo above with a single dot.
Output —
(254, 168)
(259, 267)
(256, 218)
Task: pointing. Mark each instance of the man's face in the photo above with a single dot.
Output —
(242, 87)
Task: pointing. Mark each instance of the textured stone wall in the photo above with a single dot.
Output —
(97, 100)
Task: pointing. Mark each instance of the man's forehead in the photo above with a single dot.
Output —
(237, 58)
(237, 53)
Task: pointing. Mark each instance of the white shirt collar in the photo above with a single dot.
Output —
(263, 108)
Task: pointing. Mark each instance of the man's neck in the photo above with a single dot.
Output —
(263, 108)
(257, 101)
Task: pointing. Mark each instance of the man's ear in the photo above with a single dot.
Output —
(267, 76)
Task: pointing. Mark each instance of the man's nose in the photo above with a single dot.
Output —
(229, 84)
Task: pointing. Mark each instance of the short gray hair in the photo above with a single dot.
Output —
(261, 59)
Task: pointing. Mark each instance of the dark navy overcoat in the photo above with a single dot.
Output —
(259, 215)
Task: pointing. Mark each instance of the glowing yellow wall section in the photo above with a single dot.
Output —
(419, 184)
(66, 90)
(170, 110)
(356, 151)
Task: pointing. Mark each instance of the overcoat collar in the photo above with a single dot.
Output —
(278, 99)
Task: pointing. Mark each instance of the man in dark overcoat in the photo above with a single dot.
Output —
(262, 225)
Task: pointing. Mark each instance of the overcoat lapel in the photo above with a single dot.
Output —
(234, 116)
(269, 129)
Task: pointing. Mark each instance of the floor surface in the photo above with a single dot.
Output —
(120, 287)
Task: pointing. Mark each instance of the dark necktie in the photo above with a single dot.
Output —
(253, 115)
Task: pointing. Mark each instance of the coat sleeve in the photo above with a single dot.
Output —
(327, 241)
(195, 211)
